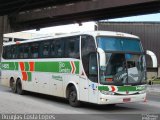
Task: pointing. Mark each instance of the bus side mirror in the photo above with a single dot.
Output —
(102, 59)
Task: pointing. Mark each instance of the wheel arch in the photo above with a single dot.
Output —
(67, 89)
(15, 79)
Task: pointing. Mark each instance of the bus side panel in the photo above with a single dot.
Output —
(56, 84)
(46, 83)
(43, 79)
(6, 76)
(31, 84)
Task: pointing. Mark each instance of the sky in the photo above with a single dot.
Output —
(88, 26)
(148, 17)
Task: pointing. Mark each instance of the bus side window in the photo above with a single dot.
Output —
(87, 47)
(4, 55)
(26, 51)
(20, 51)
(35, 50)
(53, 50)
(60, 48)
(93, 68)
(5, 52)
(8, 52)
(45, 49)
(72, 47)
(14, 52)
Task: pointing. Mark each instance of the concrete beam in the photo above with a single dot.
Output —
(16, 6)
(83, 11)
(4, 25)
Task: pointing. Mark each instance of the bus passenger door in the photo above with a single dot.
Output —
(93, 78)
(83, 81)
(88, 47)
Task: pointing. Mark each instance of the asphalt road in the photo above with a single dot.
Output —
(32, 103)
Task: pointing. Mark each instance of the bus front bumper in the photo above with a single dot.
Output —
(114, 99)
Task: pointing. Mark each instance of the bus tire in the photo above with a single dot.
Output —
(73, 101)
(13, 85)
(20, 91)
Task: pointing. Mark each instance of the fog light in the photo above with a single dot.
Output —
(102, 99)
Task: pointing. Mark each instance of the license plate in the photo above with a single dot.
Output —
(126, 99)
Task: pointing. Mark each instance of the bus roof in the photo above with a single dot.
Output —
(93, 33)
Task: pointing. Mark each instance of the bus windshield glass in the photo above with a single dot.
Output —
(119, 44)
(125, 63)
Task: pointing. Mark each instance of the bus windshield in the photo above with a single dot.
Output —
(125, 63)
(119, 44)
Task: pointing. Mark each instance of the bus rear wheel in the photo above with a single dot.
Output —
(73, 97)
(20, 91)
(13, 85)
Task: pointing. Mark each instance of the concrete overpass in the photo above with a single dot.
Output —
(33, 14)
(30, 14)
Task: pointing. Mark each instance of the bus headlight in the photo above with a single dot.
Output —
(107, 92)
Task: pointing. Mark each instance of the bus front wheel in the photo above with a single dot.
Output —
(73, 97)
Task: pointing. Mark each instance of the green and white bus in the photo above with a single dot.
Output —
(98, 67)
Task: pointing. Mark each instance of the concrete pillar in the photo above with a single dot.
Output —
(1, 35)
(1, 43)
(4, 28)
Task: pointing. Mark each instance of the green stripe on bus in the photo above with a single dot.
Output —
(57, 67)
(9, 65)
(103, 88)
(29, 76)
(46, 67)
(77, 67)
(16, 65)
(26, 66)
(127, 88)
(124, 88)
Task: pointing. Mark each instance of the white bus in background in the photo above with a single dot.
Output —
(98, 67)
